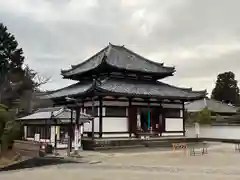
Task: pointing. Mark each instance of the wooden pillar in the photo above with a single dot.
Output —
(82, 125)
(149, 119)
(55, 134)
(77, 116)
(160, 119)
(76, 129)
(129, 117)
(100, 117)
(70, 131)
(93, 115)
(184, 118)
(163, 119)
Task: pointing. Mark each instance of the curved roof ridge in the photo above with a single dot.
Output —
(136, 54)
(85, 61)
(184, 89)
(86, 86)
(118, 57)
(221, 102)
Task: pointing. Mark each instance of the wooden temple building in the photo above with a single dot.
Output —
(122, 91)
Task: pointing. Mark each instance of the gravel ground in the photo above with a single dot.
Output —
(221, 162)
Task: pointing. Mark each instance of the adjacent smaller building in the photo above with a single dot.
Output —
(52, 124)
(217, 108)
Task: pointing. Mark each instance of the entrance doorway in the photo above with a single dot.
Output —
(144, 119)
(149, 119)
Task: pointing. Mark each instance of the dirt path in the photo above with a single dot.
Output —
(221, 163)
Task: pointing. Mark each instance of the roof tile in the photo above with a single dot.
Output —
(119, 57)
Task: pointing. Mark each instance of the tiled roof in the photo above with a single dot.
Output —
(211, 104)
(60, 113)
(74, 89)
(148, 89)
(128, 87)
(119, 57)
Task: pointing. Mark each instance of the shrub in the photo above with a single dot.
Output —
(202, 117)
(10, 130)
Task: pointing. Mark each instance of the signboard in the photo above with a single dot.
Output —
(197, 130)
(37, 137)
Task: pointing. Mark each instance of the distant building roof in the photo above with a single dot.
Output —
(131, 88)
(60, 113)
(121, 58)
(212, 105)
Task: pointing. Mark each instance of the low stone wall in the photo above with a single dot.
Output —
(105, 144)
(28, 148)
(133, 143)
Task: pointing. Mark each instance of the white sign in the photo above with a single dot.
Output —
(76, 137)
(37, 137)
(197, 129)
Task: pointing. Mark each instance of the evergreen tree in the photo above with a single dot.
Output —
(11, 61)
(226, 88)
(15, 81)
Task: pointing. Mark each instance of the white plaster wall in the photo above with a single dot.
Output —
(115, 124)
(181, 113)
(41, 140)
(25, 132)
(174, 124)
(87, 127)
(116, 135)
(172, 134)
(52, 134)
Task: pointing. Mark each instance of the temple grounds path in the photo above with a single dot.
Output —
(222, 162)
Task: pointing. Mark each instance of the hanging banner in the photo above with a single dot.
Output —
(149, 117)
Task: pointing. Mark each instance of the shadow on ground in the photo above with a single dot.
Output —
(37, 162)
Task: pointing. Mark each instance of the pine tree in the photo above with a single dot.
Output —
(226, 88)
(11, 60)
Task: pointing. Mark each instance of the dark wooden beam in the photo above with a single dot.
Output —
(88, 97)
(174, 132)
(71, 131)
(184, 118)
(160, 123)
(144, 101)
(129, 119)
(100, 117)
(55, 135)
(93, 115)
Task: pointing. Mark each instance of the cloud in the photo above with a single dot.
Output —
(200, 38)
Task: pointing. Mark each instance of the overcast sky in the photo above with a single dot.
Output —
(201, 38)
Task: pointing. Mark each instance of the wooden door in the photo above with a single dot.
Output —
(132, 119)
(161, 122)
